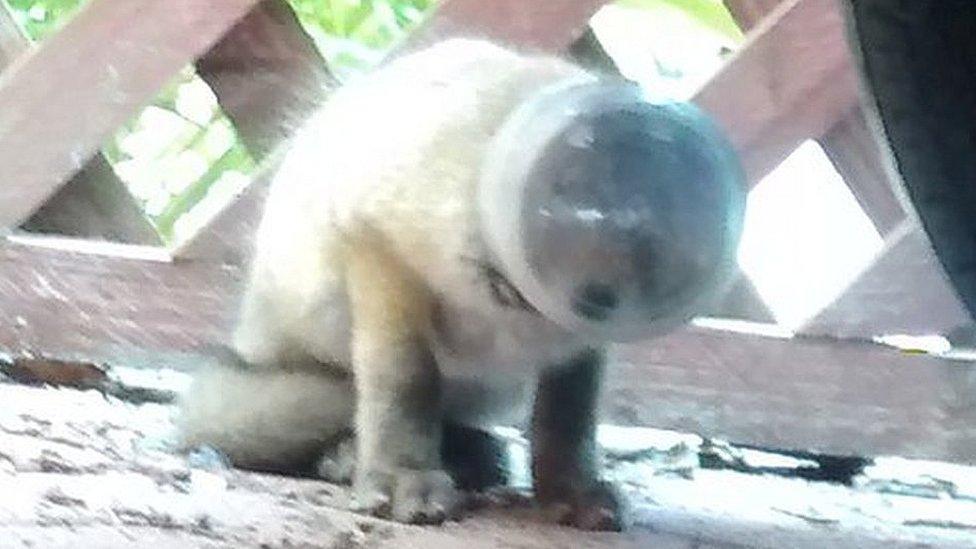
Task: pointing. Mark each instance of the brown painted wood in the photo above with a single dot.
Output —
(826, 395)
(792, 80)
(850, 144)
(748, 13)
(112, 56)
(903, 291)
(105, 307)
(855, 153)
(95, 203)
(267, 75)
(550, 26)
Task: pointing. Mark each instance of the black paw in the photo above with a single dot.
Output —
(598, 508)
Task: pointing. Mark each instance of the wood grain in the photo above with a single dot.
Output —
(113, 56)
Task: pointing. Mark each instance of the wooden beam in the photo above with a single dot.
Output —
(903, 291)
(267, 75)
(94, 301)
(856, 155)
(112, 56)
(791, 81)
(851, 146)
(550, 26)
(824, 395)
(130, 305)
(748, 13)
(95, 203)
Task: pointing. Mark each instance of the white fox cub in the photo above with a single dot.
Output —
(449, 244)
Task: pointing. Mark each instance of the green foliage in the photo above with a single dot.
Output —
(40, 18)
(712, 15)
(354, 34)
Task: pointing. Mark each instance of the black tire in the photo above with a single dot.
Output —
(918, 60)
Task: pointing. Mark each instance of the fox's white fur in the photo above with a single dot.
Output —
(369, 252)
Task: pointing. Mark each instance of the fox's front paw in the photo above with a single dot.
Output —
(597, 507)
(408, 495)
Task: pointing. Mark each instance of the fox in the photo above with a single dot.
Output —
(433, 261)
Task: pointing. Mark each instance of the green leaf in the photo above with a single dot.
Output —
(236, 158)
(711, 14)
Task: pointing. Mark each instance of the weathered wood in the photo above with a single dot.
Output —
(117, 306)
(748, 13)
(89, 471)
(826, 395)
(850, 144)
(113, 56)
(791, 81)
(854, 152)
(903, 291)
(95, 203)
(741, 302)
(267, 75)
(546, 26)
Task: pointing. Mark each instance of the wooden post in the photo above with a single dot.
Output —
(112, 56)
(95, 203)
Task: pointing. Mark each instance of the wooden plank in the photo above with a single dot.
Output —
(267, 75)
(741, 302)
(904, 291)
(825, 395)
(550, 26)
(110, 303)
(857, 157)
(791, 81)
(113, 56)
(850, 144)
(95, 203)
(748, 13)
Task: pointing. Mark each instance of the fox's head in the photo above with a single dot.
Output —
(612, 214)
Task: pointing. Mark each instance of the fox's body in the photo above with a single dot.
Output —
(398, 292)
(371, 278)
(396, 176)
